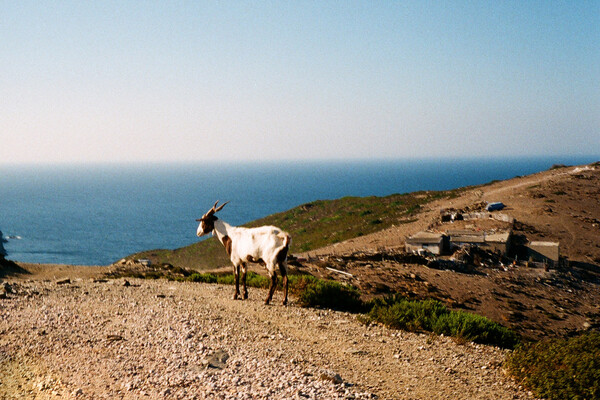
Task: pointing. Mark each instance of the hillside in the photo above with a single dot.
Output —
(363, 237)
(312, 226)
(559, 205)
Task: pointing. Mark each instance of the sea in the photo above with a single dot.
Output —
(96, 214)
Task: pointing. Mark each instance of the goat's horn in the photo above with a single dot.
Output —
(220, 207)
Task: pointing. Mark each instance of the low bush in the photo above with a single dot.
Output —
(399, 313)
(560, 368)
(205, 278)
(255, 280)
(431, 315)
(252, 279)
(475, 328)
(298, 283)
(153, 275)
(329, 294)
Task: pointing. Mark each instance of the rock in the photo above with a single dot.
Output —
(218, 359)
(126, 283)
(332, 377)
(8, 288)
(63, 281)
(77, 392)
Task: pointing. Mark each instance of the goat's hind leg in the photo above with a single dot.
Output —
(244, 270)
(272, 286)
(236, 274)
(284, 274)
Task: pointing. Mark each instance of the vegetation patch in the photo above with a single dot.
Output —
(430, 315)
(557, 166)
(329, 294)
(312, 226)
(560, 368)
(311, 291)
(252, 279)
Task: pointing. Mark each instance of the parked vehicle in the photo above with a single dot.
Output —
(495, 206)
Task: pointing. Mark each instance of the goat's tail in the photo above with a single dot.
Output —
(283, 250)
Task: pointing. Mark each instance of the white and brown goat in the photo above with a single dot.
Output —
(265, 245)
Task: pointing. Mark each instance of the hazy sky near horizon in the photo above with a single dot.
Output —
(186, 80)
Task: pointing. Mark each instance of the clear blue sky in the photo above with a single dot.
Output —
(206, 80)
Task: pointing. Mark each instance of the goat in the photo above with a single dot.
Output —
(265, 245)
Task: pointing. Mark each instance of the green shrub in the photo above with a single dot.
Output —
(227, 279)
(330, 294)
(312, 292)
(180, 271)
(399, 313)
(205, 278)
(255, 280)
(153, 275)
(252, 279)
(430, 315)
(299, 282)
(560, 368)
(474, 328)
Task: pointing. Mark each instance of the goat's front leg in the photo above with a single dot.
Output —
(236, 274)
(244, 270)
(285, 290)
(271, 287)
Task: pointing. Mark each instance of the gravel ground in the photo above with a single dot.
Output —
(89, 339)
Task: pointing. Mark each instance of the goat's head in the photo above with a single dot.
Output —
(207, 222)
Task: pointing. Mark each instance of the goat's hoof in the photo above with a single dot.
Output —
(284, 303)
(235, 296)
(245, 296)
(267, 302)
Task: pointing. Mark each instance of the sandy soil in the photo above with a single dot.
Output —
(90, 338)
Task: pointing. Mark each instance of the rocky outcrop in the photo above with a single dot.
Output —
(2, 249)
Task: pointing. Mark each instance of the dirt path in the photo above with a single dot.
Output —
(156, 339)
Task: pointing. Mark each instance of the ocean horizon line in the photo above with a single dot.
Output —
(298, 161)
